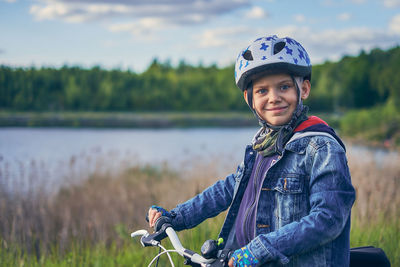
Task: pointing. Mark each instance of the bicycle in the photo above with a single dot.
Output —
(211, 255)
(214, 257)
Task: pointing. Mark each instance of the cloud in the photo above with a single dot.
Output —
(300, 18)
(146, 28)
(394, 25)
(178, 12)
(358, 1)
(333, 44)
(256, 13)
(344, 16)
(391, 3)
(222, 37)
(329, 44)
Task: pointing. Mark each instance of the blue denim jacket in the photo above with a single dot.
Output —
(303, 213)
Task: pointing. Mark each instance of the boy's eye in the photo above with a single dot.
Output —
(285, 86)
(261, 91)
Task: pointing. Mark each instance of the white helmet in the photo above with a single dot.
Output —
(271, 55)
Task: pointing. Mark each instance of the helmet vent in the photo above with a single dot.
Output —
(278, 47)
(247, 55)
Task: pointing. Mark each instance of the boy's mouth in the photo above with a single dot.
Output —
(277, 109)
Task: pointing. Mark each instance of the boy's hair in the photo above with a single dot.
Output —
(271, 55)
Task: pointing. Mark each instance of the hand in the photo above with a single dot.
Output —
(153, 215)
(156, 212)
(243, 258)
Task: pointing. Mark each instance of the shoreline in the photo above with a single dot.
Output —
(127, 119)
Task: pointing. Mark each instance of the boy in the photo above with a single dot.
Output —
(290, 200)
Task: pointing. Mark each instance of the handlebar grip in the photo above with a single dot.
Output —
(161, 221)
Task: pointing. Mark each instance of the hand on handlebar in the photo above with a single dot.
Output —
(156, 212)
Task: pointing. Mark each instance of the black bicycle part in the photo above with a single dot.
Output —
(160, 226)
(368, 256)
(222, 260)
(209, 249)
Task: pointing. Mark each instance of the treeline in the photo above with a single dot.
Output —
(357, 82)
(160, 88)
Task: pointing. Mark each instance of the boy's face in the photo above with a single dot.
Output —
(275, 97)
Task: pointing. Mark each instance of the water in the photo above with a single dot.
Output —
(54, 156)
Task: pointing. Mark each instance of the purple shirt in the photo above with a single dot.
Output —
(245, 221)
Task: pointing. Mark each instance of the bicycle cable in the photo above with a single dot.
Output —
(164, 252)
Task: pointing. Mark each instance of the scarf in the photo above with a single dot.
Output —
(271, 139)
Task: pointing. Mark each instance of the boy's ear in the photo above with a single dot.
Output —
(245, 96)
(305, 89)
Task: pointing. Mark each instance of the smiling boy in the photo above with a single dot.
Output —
(289, 201)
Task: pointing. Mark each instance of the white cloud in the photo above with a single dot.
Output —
(344, 16)
(391, 3)
(174, 11)
(145, 28)
(256, 12)
(358, 1)
(299, 18)
(394, 25)
(221, 37)
(329, 44)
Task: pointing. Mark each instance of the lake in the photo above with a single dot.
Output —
(52, 156)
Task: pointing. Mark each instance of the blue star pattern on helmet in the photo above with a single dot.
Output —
(308, 60)
(269, 38)
(263, 54)
(301, 55)
(289, 51)
(289, 40)
(241, 64)
(264, 46)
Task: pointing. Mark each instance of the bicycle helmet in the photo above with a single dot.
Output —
(272, 55)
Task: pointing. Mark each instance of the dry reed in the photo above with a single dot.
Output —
(103, 207)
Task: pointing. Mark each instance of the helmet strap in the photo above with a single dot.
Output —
(249, 90)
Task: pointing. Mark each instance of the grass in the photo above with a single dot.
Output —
(88, 223)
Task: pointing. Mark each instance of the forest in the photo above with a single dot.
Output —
(363, 90)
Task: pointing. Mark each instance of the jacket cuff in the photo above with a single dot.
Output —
(178, 222)
(265, 253)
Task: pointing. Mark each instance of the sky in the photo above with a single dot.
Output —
(130, 34)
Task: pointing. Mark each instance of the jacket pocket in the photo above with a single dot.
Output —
(288, 196)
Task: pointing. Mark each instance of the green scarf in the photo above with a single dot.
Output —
(270, 140)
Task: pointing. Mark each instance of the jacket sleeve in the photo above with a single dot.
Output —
(212, 201)
(331, 198)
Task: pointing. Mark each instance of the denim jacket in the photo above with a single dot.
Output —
(303, 213)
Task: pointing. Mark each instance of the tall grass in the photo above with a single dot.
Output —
(88, 223)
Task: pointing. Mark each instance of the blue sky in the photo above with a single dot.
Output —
(129, 34)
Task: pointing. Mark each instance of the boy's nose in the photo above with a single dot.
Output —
(273, 96)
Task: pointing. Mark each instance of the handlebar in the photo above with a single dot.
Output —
(163, 228)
